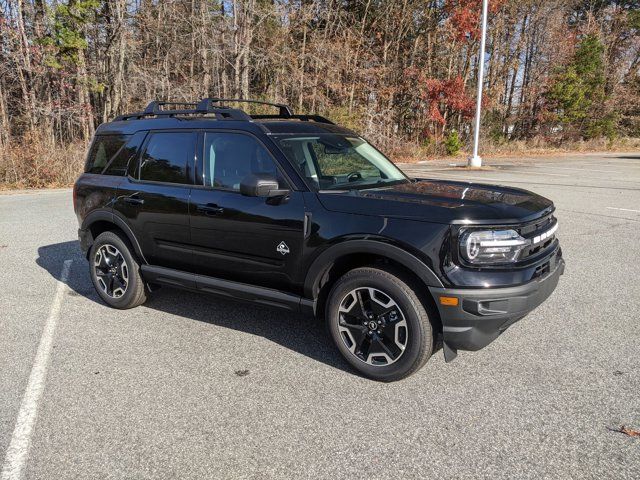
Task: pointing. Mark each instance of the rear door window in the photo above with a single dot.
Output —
(103, 149)
(168, 157)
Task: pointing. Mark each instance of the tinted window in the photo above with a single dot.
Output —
(118, 164)
(104, 147)
(230, 157)
(168, 157)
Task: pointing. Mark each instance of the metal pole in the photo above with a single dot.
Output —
(475, 160)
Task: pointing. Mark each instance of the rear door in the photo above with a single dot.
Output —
(154, 199)
(253, 240)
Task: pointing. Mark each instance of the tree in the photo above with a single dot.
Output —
(401, 72)
(577, 94)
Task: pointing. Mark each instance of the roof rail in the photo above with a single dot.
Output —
(154, 109)
(284, 110)
(212, 106)
(303, 118)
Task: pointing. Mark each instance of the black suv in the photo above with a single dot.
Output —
(296, 212)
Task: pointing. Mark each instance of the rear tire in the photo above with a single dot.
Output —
(115, 272)
(379, 324)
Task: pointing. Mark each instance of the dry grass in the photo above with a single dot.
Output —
(539, 146)
(535, 146)
(32, 163)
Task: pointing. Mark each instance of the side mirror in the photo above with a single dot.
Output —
(261, 185)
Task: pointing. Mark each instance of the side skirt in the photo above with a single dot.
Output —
(227, 288)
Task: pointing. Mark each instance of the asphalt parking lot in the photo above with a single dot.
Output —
(189, 386)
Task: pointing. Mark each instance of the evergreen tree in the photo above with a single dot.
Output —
(577, 95)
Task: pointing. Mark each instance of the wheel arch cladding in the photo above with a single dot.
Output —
(340, 258)
(101, 221)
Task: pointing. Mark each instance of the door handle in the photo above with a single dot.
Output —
(210, 209)
(134, 200)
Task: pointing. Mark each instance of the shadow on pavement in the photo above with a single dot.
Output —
(52, 257)
(293, 331)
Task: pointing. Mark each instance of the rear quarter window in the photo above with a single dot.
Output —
(120, 162)
(103, 149)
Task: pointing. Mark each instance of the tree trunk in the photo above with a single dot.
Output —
(24, 69)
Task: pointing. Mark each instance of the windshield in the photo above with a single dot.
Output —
(339, 162)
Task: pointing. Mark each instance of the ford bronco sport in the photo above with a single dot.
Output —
(296, 212)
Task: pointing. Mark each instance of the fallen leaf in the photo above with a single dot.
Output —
(630, 432)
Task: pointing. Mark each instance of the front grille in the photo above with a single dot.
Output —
(541, 232)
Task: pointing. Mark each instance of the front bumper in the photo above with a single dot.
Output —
(481, 315)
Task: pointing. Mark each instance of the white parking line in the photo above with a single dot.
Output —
(611, 164)
(18, 450)
(624, 209)
(579, 169)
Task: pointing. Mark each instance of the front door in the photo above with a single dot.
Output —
(247, 239)
(154, 199)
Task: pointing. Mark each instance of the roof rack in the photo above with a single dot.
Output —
(284, 110)
(303, 118)
(212, 106)
(154, 109)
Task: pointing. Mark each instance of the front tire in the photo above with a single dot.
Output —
(115, 272)
(379, 324)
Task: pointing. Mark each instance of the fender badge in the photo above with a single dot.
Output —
(282, 248)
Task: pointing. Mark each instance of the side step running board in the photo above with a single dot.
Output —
(228, 288)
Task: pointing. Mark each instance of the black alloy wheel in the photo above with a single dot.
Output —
(111, 270)
(378, 320)
(372, 326)
(115, 271)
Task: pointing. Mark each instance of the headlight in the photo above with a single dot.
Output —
(486, 247)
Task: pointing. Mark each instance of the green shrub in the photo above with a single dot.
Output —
(452, 143)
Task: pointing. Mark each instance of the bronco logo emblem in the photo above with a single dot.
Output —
(282, 248)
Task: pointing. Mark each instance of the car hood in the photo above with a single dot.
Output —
(442, 201)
